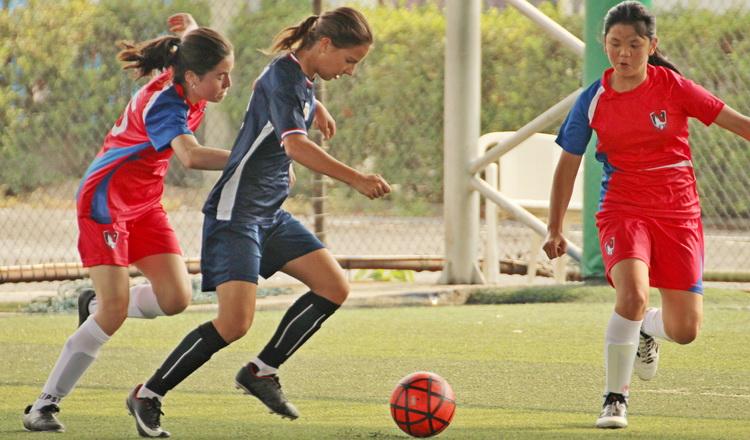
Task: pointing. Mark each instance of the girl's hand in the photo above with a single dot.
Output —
(372, 186)
(324, 122)
(181, 23)
(555, 245)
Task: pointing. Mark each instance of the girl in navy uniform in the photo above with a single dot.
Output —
(247, 234)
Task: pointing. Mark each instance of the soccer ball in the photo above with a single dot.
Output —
(422, 404)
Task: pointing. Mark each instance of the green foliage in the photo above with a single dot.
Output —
(384, 275)
(61, 87)
(711, 50)
(389, 116)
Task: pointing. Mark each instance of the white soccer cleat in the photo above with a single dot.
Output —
(614, 412)
(646, 357)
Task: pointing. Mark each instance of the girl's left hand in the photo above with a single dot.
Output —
(181, 23)
(324, 122)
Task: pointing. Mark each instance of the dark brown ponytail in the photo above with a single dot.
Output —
(200, 51)
(346, 27)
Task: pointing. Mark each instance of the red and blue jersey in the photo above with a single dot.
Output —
(126, 178)
(642, 141)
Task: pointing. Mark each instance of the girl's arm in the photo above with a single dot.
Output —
(734, 121)
(308, 153)
(194, 155)
(562, 189)
(324, 121)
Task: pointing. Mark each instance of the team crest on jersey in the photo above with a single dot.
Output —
(659, 119)
(110, 238)
(609, 247)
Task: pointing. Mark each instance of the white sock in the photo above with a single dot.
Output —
(653, 324)
(143, 303)
(263, 368)
(78, 353)
(145, 393)
(620, 345)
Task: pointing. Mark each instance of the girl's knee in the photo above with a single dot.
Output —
(177, 303)
(632, 302)
(234, 329)
(337, 292)
(685, 335)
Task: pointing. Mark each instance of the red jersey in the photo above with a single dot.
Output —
(126, 178)
(642, 141)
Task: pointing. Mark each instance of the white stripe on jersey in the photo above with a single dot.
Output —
(229, 191)
(594, 102)
(152, 100)
(683, 163)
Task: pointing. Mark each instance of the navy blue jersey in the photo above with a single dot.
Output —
(255, 181)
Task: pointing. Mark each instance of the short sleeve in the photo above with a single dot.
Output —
(575, 132)
(286, 105)
(164, 121)
(696, 101)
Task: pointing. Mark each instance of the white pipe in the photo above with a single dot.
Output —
(462, 129)
(550, 26)
(490, 217)
(520, 214)
(535, 126)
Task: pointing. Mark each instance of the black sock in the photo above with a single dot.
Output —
(299, 323)
(195, 350)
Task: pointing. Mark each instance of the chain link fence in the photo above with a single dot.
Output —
(61, 89)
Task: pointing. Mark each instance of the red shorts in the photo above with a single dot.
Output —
(672, 249)
(124, 242)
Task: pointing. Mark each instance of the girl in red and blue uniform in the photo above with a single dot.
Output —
(649, 222)
(120, 216)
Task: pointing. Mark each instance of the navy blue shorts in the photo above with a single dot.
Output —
(241, 251)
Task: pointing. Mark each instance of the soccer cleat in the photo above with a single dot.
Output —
(147, 414)
(84, 299)
(267, 389)
(646, 357)
(42, 419)
(614, 412)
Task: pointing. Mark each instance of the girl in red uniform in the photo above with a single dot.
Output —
(120, 216)
(649, 221)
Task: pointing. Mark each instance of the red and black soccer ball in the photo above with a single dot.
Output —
(423, 404)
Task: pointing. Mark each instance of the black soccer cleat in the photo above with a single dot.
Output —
(84, 299)
(42, 419)
(147, 414)
(267, 389)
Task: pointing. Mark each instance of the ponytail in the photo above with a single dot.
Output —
(199, 51)
(145, 57)
(658, 59)
(294, 37)
(346, 27)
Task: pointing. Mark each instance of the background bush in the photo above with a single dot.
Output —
(61, 87)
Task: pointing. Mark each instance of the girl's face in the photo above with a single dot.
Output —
(334, 61)
(214, 84)
(627, 51)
